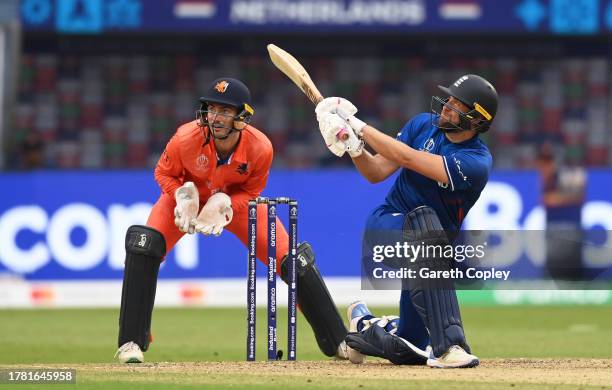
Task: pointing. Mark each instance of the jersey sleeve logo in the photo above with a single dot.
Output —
(459, 171)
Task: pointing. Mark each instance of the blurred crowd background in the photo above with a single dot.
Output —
(113, 102)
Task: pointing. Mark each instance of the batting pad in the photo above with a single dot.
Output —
(316, 302)
(435, 299)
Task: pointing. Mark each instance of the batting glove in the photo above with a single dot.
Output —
(356, 124)
(330, 125)
(335, 105)
(342, 107)
(353, 144)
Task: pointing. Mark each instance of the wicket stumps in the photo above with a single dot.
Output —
(272, 204)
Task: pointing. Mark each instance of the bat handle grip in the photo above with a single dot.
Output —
(343, 135)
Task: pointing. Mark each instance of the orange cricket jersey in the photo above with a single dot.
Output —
(189, 158)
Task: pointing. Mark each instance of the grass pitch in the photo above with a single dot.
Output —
(527, 347)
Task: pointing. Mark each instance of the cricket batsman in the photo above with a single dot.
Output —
(208, 172)
(444, 167)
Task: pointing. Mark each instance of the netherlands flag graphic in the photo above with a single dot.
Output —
(460, 10)
(202, 9)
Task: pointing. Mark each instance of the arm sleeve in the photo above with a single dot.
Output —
(254, 185)
(169, 168)
(465, 169)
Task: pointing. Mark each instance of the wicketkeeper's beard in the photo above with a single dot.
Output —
(217, 131)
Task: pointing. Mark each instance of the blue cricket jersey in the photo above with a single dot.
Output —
(467, 165)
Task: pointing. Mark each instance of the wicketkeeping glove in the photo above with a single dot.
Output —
(215, 215)
(187, 205)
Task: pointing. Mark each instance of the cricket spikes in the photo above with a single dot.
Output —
(455, 357)
(129, 353)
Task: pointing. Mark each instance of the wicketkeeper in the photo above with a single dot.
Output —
(444, 167)
(210, 169)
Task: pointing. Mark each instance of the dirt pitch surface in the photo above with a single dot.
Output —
(504, 373)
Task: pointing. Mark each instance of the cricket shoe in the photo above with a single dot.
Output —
(129, 353)
(342, 351)
(356, 312)
(455, 357)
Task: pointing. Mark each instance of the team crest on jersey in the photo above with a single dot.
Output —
(429, 145)
(202, 162)
(221, 86)
(243, 169)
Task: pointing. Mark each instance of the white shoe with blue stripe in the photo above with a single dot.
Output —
(355, 312)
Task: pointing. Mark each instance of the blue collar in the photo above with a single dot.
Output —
(223, 161)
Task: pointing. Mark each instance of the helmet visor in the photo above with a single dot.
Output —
(437, 105)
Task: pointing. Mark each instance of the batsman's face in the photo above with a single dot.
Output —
(449, 114)
(221, 118)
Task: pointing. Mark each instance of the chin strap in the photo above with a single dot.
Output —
(206, 134)
(231, 130)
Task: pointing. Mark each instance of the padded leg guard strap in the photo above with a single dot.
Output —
(145, 248)
(316, 302)
(375, 341)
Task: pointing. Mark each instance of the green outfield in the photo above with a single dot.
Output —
(518, 345)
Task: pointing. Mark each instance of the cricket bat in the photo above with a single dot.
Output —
(292, 68)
